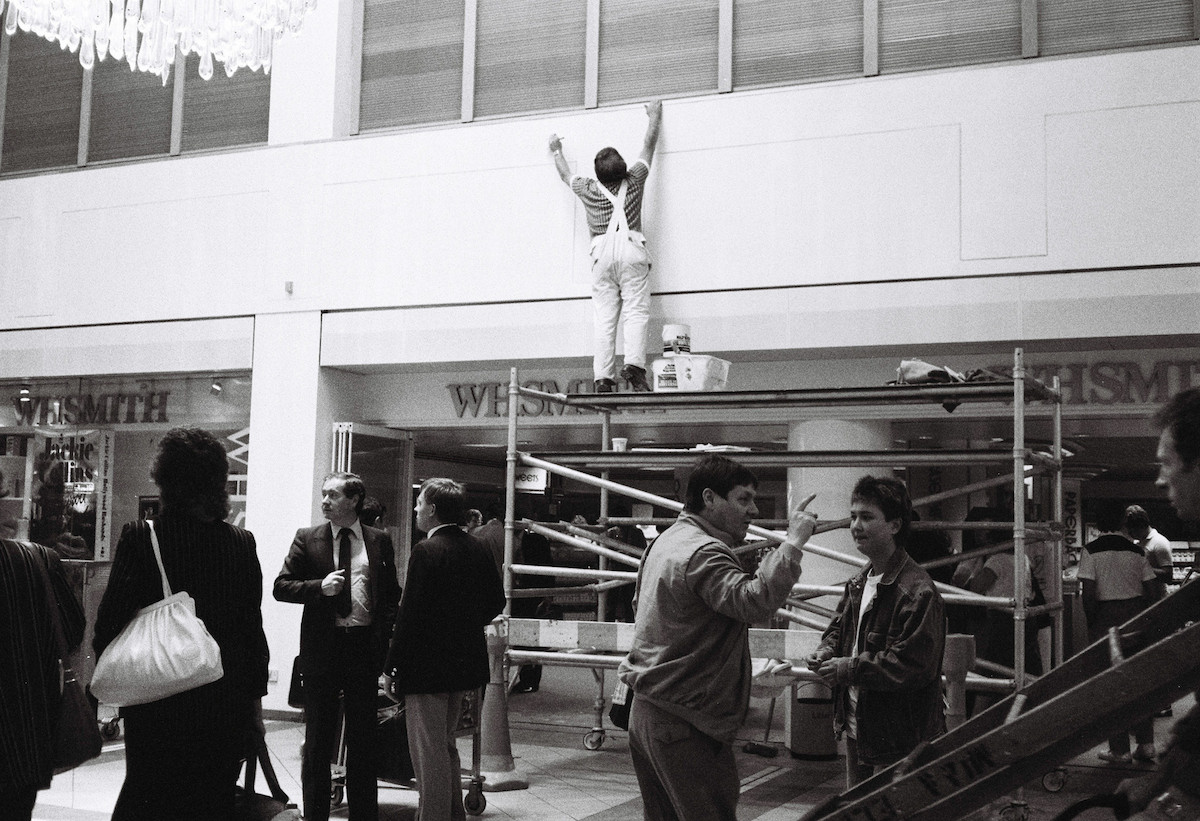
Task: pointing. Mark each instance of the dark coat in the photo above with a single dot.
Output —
(309, 560)
(452, 592)
(217, 564)
(29, 659)
(898, 668)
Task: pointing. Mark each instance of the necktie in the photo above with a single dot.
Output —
(343, 598)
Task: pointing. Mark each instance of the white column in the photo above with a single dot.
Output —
(832, 485)
(808, 720)
(314, 75)
(283, 458)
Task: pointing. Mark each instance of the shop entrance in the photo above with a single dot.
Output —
(383, 458)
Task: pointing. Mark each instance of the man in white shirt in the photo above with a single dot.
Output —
(1155, 546)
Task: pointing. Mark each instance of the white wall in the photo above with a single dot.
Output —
(1036, 166)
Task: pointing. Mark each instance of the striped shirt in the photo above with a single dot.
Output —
(599, 209)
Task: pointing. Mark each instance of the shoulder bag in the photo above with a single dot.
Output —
(164, 650)
(76, 734)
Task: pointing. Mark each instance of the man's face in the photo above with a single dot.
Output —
(1181, 481)
(336, 506)
(731, 513)
(873, 534)
(425, 514)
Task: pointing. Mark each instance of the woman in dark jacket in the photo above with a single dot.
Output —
(183, 753)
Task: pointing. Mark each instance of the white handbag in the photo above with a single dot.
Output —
(164, 650)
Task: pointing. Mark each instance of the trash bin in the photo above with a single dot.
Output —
(810, 722)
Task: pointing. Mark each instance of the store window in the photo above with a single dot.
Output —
(75, 454)
(130, 115)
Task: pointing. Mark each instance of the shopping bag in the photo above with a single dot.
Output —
(164, 650)
(76, 732)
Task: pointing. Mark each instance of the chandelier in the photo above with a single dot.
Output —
(148, 34)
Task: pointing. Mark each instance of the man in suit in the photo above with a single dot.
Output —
(29, 685)
(344, 574)
(439, 651)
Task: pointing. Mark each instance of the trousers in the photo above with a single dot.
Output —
(432, 719)
(620, 291)
(352, 672)
(683, 774)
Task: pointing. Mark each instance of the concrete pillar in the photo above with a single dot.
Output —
(807, 721)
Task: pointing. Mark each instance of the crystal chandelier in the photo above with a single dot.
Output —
(146, 33)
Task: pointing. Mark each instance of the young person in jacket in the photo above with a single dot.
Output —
(689, 666)
(882, 653)
(439, 651)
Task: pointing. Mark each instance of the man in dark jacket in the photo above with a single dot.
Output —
(344, 573)
(882, 654)
(439, 651)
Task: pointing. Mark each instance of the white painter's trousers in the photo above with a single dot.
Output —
(620, 291)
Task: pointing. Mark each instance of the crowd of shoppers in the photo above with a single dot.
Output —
(688, 670)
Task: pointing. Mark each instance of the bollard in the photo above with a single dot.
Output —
(957, 660)
(810, 722)
(496, 761)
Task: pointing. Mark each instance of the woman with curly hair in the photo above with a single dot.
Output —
(183, 753)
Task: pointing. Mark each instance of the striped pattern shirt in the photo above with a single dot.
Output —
(597, 206)
(29, 659)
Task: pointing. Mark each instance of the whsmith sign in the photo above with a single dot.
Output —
(92, 409)
(1101, 383)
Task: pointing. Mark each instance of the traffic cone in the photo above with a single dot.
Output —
(496, 760)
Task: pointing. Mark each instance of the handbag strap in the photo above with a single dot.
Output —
(162, 571)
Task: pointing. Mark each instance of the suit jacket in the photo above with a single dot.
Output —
(451, 593)
(29, 659)
(312, 558)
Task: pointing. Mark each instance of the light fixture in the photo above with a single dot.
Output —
(24, 395)
(148, 34)
(216, 387)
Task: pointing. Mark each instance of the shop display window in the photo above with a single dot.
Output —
(76, 454)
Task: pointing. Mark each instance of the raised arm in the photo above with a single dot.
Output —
(560, 162)
(654, 113)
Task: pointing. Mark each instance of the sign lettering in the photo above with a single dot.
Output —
(87, 409)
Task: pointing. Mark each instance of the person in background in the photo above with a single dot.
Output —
(29, 672)
(474, 520)
(882, 653)
(344, 573)
(689, 667)
(620, 261)
(438, 651)
(1173, 789)
(1155, 546)
(372, 512)
(183, 753)
(1117, 584)
(491, 534)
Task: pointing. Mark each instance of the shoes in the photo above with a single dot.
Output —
(1144, 752)
(1116, 758)
(1167, 713)
(605, 386)
(524, 688)
(636, 377)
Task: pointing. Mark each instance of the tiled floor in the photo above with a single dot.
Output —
(570, 783)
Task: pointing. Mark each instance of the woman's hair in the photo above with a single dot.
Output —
(191, 470)
(890, 495)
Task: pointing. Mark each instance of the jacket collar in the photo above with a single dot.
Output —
(890, 570)
(707, 527)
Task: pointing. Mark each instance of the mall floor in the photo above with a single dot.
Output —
(567, 781)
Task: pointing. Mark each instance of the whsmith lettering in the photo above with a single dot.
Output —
(490, 399)
(105, 409)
